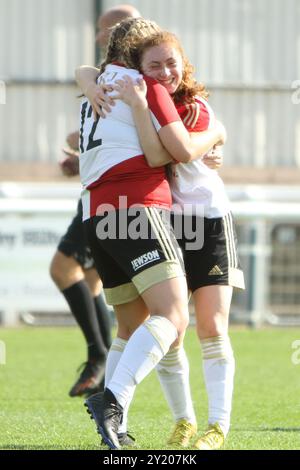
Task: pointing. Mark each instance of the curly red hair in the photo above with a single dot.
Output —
(188, 87)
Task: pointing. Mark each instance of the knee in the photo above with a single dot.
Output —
(183, 323)
(211, 329)
(55, 271)
(64, 271)
(177, 313)
(124, 332)
(180, 319)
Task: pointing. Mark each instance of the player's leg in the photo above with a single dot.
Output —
(103, 316)
(129, 317)
(155, 266)
(68, 275)
(173, 374)
(212, 306)
(145, 348)
(172, 370)
(212, 287)
(162, 285)
(67, 271)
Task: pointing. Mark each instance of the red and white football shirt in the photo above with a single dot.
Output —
(194, 183)
(112, 163)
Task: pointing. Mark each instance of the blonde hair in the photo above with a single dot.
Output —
(124, 37)
(188, 87)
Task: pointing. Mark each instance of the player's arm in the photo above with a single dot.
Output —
(154, 151)
(157, 155)
(196, 145)
(86, 77)
(174, 136)
(213, 158)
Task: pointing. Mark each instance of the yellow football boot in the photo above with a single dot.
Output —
(182, 434)
(212, 439)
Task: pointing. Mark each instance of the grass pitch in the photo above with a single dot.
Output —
(36, 412)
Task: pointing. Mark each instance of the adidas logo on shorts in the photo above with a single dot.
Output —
(215, 271)
(147, 258)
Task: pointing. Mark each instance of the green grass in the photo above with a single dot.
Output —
(36, 412)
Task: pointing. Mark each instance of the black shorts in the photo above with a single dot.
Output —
(74, 243)
(140, 251)
(217, 262)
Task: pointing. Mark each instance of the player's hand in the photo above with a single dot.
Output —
(100, 101)
(214, 158)
(70, 164)
(131, 92)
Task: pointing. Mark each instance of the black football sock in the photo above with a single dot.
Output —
(104, 321)
(82, 306)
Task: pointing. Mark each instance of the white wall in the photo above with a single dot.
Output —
(246, 51)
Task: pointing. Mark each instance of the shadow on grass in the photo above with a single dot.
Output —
(266, 429)
(278, 429)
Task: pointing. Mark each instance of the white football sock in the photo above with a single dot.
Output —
(218, 367)
(113, 357)
(173, 374)
(145, 348)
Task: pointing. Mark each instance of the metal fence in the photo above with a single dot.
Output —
(284, 292)
(268, 228)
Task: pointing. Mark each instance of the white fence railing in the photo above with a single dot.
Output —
(34, 216)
